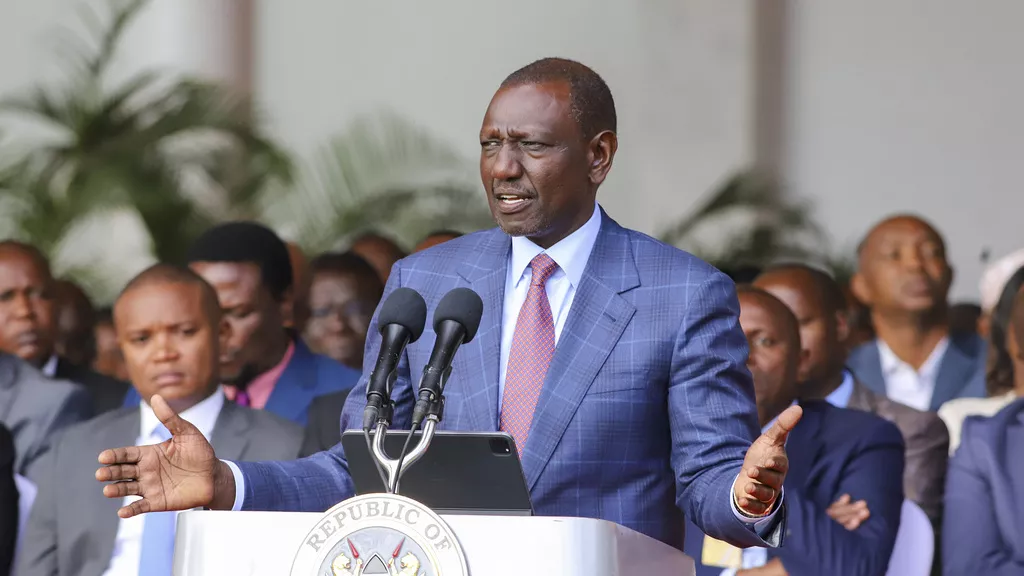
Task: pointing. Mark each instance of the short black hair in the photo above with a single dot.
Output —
(829, 289)
(250, 243)
(348, 263)
(162, 273)
(590, 99)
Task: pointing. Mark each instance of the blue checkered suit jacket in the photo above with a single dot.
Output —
(647, 410)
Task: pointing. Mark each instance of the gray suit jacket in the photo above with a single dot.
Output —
(34, 407)
(72, 527)
(927, 447)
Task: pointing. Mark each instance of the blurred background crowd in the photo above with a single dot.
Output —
(873, 141)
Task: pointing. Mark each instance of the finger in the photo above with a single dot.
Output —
(759, 492)
(117, 472)
(122, 489)
(135, 508)
(126, 455)
(784, 424)
(752, 506)
(767, 476)
(170, 419)
(844, 499)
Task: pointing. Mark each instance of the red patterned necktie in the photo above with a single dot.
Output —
(533, 346)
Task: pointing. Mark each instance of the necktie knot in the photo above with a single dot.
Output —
(542, 267)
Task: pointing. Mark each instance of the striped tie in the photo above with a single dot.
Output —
(533, 346)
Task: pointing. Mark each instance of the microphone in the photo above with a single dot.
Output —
(401, 321)
(456, 321)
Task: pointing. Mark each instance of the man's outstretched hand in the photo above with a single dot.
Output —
(764, 469)
(179, 474)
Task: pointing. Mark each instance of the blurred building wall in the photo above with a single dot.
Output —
(864, 107)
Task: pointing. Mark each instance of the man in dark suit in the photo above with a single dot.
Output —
(614, 360)
(818, 303)
(265, 365)
(903, 277)
(323, 430)
(170, 328)
(834, 451)
(28, 324)
(8, 501)
(983, 534)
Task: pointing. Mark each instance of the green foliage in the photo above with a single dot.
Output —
(181, 153)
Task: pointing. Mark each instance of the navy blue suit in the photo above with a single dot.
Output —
(961, 372)
(646, 412)
(983, 531)
(835, 451)
(306, 376)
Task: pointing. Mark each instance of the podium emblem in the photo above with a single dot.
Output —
(380, 535)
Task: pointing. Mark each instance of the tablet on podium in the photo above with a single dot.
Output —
(460, 473)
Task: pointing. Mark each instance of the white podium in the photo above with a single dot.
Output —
(266, 543)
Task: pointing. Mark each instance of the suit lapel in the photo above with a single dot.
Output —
(230, 434)
(802, 445)
(955, 371)
(123, 431)
(486, 276)
(296, 387)
(597, 318)
(866, 364)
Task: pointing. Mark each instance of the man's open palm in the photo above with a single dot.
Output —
(174, 475)
(764, 469)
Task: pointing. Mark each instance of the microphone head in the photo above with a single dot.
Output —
(404, 307)
(461, 305)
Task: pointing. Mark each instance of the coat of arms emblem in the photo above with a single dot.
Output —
(380, 535)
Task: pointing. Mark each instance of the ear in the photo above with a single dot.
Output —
(842, 328)
(600, 154)
(223, 334)
(802, 363)
(1013, 347)
(859, 287)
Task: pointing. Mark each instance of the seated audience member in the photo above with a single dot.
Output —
(171, 330)
(344, 292)
(264, 365)
(1001, 381)
(843, 465)
(109, 360)
(435, 238)
(76, 321)
(28, 324)
(903, 276)
(983, 534)
(817, 302)
(993, 280)
(8, 502)
(380, 251)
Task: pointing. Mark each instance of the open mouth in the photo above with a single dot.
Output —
(510, 203)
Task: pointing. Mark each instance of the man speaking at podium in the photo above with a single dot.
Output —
(615, 361)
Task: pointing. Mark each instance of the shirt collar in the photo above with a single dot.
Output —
(50, 368)
(570, 253)
(840, 397)
(929, 370)
(203, 415)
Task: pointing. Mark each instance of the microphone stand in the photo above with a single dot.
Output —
(396, 468)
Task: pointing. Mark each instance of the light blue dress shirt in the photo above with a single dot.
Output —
(840, 397)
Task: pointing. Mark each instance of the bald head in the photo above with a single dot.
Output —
(902, 270)
(775, 354)
(171, 275)
(817, 302)
(28, 326)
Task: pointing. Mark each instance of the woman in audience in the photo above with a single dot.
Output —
(998, 373)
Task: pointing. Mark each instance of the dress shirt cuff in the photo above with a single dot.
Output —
(239, 485)
(728, 572)
(762, 525)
